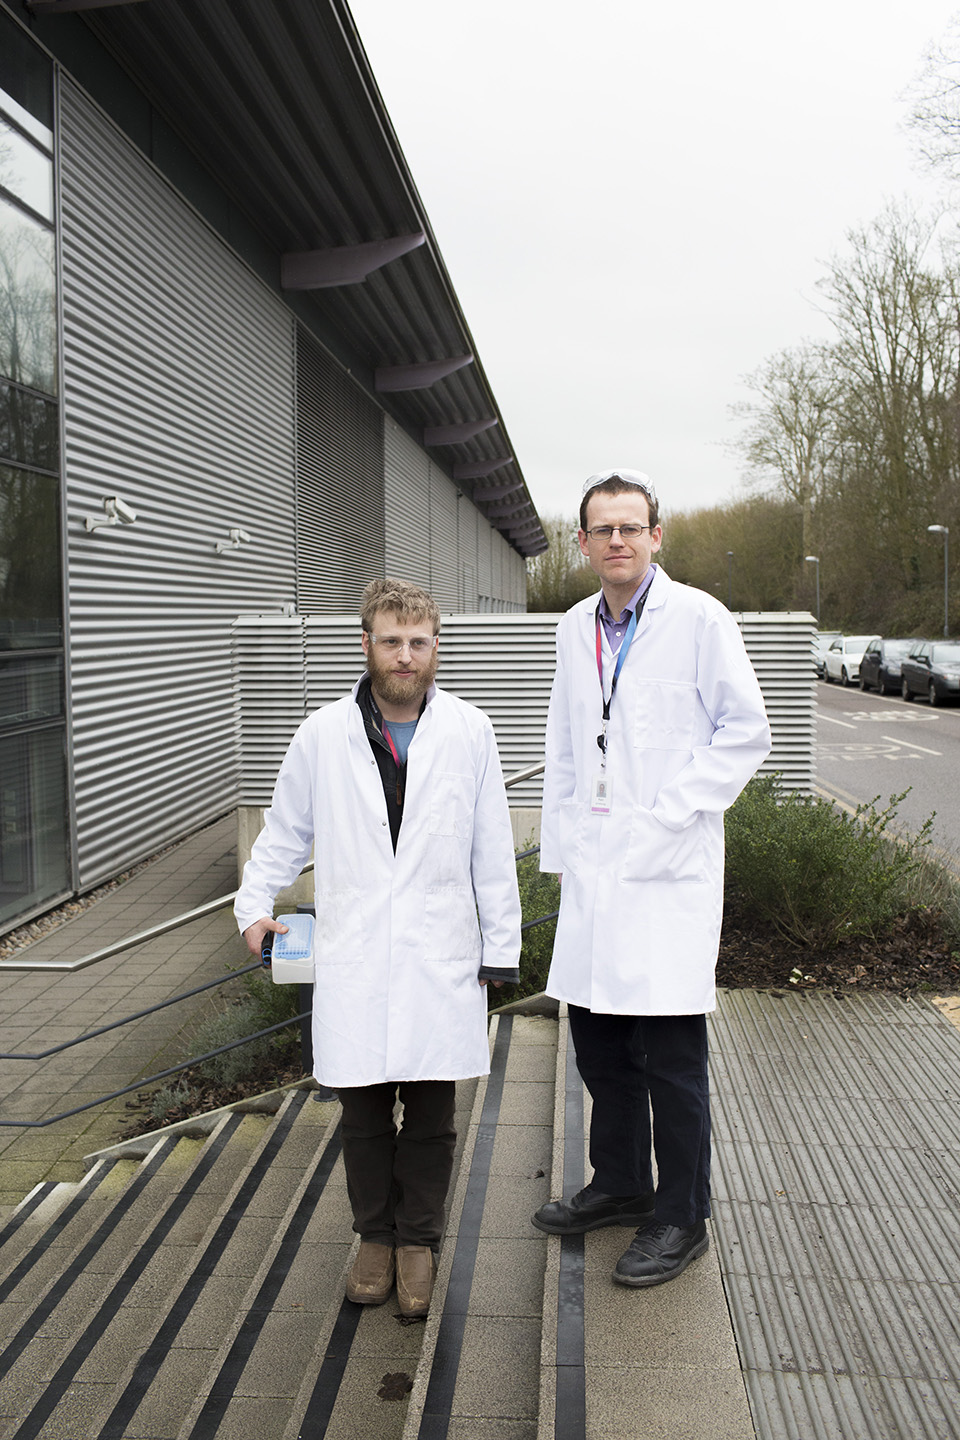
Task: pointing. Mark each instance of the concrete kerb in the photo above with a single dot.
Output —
(198, 1126)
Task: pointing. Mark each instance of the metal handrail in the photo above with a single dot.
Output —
(137, 1015)
(184, 1064)
(152, 933)
(69, 967)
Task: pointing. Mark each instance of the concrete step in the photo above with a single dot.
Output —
(205, 1295)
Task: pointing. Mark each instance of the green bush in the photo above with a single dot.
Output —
(539, 896)
(264, 1004)
(817, 874)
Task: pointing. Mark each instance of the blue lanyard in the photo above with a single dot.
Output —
(621, 657)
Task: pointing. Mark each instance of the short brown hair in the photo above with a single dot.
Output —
(617, 486)
(408, 602)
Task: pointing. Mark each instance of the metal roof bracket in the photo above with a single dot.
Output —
(343, 264)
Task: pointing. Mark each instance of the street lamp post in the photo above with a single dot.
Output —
(729, 579)
(815, 560)
(944, 530)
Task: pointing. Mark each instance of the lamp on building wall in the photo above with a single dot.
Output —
(238, 537)
(116, 512)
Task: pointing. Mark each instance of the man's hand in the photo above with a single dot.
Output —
(254, 933)
(497, 984)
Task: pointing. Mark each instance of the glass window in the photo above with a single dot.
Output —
(31, 689)
(30, 599)
(33, 805)
(28, 319)
(26, 89)
(29, 428)
(25, 171)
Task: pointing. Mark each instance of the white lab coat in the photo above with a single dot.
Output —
(642, 890)
(397, 939)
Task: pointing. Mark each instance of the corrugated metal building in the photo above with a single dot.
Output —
(234, 378)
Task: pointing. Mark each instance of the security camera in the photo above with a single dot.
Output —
(115, 512)
(118, 509)
(238, 534)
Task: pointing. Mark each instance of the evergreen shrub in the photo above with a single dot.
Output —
(818, 874)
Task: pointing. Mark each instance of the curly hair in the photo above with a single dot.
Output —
(408, 602)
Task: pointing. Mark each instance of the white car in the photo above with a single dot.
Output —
(842, 660)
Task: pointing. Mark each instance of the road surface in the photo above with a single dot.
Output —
(871, 745)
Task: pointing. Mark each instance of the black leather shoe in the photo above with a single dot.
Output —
(659, 1252)
(590, 1209)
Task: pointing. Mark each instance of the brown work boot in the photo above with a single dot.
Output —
(371, 1274)
(416, 1272)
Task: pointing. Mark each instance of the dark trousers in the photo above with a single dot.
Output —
(630, 1064)
(397, 1180)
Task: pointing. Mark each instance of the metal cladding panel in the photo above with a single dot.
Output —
(340, 485)
(406, 499)
(505, 665)
(484, 567)
(178, 398)
(470, 522)
(269, 653)
(444, 540)
(435, 535)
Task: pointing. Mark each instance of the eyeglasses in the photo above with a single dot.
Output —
(627, 532)
(392, 644)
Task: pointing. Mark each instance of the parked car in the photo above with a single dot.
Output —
(880, 666)
(842, 660)
(933, 669)
(822, 641)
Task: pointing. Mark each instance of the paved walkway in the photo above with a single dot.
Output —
(39, 1011)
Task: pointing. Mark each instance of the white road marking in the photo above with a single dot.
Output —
(911, 744)
(891, 717)
(833, 721)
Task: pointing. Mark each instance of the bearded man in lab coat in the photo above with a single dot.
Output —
(398, 787)
(656, 722)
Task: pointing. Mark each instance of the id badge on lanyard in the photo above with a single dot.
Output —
(601, 789)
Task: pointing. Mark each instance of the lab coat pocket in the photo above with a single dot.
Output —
(338, 928)
(667, 716)
(451, 928)
(569, 832)
(657, 854)
(452, 803)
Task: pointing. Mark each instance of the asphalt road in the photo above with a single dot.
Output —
(871, 745)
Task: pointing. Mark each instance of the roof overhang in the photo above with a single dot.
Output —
(277, 101)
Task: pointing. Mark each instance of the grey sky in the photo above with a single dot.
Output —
(633, 202)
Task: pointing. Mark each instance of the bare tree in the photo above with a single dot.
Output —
(791, 432)
(560, 576)
(935, 104)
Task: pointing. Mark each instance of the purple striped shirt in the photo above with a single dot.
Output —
(615, 627)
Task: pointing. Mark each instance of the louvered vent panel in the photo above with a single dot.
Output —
(178, 397)
(505, 665)
(781, 649)
(340, 489)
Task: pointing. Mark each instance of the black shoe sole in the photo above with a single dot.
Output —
(637, 1220)
(641, 1282)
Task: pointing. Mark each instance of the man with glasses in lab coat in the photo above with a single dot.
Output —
(398, 787)
(656, 722)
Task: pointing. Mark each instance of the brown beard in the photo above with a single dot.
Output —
(397, 691)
